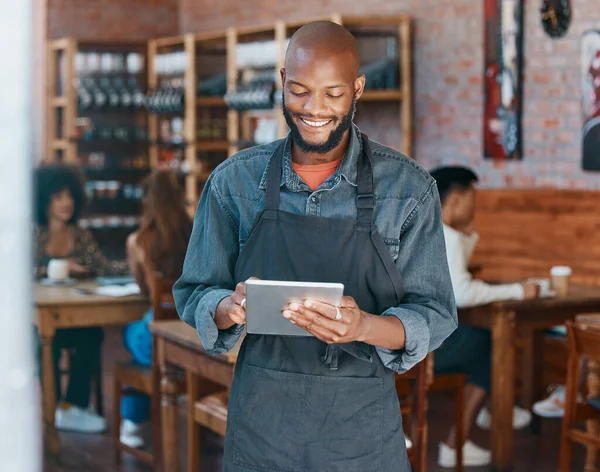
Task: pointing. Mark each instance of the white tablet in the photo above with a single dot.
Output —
(265, 300)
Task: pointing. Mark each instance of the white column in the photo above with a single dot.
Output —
(20, 448)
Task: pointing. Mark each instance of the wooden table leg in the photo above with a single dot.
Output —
(592, 426)
(532, 373)
(169, 420)
(46, 333)
(193, 445)
(503, 388)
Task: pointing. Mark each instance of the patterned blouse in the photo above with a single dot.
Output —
(85, 252)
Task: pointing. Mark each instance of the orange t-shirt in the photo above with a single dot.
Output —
(315, 175)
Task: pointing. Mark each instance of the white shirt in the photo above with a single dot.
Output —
(468, 291)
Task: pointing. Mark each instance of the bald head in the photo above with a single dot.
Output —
(324, 39)
(320, 88)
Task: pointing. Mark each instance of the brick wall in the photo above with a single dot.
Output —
(126, 19)
(448, 64)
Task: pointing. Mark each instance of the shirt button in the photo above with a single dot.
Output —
(313, 199)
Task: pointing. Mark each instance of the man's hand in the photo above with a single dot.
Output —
(232, 309)
(530, 290)
(328, 323)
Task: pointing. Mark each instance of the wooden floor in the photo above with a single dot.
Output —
(94, 453)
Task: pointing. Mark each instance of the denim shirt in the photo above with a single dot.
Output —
(407, 214)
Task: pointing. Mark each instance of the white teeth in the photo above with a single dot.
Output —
(316, 124)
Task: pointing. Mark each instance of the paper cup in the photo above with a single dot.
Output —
(560, 277)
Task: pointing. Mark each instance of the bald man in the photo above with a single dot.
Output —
(325, 204)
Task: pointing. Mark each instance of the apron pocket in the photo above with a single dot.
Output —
(290, 422)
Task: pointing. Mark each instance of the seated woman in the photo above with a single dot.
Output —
(158, 246)
(59, 201)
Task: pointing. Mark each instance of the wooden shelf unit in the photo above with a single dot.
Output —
(61, 97)
(69, 62)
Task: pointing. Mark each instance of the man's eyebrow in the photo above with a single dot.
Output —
(293, 82)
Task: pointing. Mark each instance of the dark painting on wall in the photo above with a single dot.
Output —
(590, 84)
(503, 79)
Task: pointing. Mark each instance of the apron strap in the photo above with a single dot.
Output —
(365, 199)
(274, 178)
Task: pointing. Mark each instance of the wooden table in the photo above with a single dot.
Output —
(61, 307)
(503, 319)
(178, 345)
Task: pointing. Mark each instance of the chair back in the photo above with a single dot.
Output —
(583, 337)
(163, 303)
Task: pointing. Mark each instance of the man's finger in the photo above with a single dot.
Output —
(327, 310)
(239, 313)
(316, 329)
(306, 318)
(319, 319)
(348, 302)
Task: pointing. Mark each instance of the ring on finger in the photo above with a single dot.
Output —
(243, 303)
(338, 315)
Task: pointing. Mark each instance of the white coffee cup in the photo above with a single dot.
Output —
(58, 270)
(560, 277)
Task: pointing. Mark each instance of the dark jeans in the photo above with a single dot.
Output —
(467, 350)
(85, 346)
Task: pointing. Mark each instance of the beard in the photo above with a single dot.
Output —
(334, 138)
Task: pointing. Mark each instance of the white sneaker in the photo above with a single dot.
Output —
(554, 405)
(130, 434)
(473, 455)
(521, 418)
(72, 418)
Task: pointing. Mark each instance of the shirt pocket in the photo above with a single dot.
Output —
(393, 245)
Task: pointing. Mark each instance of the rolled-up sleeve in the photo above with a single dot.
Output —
(428, 309)
(208, 271)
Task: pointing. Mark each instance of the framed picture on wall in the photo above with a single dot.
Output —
(503, 45)
(590, 88)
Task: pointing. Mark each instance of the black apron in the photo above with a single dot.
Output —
(296, 403)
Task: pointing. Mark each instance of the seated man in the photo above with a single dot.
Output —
(468, 349)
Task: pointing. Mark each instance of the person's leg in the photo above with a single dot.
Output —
(135, 406)
(467, 350)
(87, 347)
(474, 398)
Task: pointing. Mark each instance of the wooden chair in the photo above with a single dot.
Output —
(208, 411)
(140, 379)
(454, 383)
(412, 388)
(584, 341)
(433, 383)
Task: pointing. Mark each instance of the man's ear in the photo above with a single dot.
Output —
(359, 86)
(451, 200)
(282, 72)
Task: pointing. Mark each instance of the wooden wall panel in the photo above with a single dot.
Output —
(525, 232)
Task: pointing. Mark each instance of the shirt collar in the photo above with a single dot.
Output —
(347, 169)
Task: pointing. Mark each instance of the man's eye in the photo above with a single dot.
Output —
(335, 96)
(297, 94)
